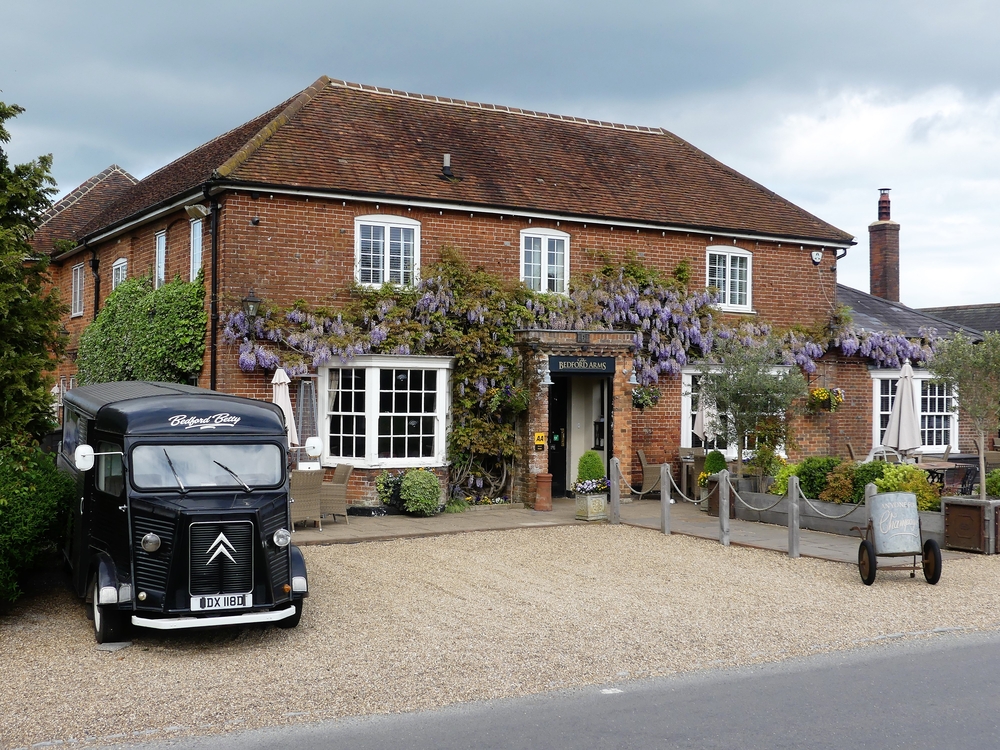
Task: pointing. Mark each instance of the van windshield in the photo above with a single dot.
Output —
(187, 466)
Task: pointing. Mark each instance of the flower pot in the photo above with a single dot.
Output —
(591, 507)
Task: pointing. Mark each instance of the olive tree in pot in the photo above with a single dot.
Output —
(591, 488)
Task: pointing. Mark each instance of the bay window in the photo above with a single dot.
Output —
(386, 411)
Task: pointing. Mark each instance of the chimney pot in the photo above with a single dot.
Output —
(883, 204)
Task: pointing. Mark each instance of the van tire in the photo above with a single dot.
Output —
(291, 622)
(110, 623)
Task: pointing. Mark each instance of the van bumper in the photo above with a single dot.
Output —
(183, 623)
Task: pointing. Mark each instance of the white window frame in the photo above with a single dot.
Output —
(731, 252)
(688, 413)
(197, 244)
(919, 377)
(76, 295)
(544, 235)
(373, 364)
(119, 272)
(160, 260)
(387, 223)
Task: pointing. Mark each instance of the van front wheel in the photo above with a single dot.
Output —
(110, 623)
(291, 622)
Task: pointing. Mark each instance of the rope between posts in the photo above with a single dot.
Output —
(683, 497)
(634, 491)
(757, 510)
(825, 515)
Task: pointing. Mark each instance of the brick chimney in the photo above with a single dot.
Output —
(883, 252)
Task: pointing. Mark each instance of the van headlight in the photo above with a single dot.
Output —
(282, 537)
(151, 542)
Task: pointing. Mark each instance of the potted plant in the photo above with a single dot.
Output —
(591, 488)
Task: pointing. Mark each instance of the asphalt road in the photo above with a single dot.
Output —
(938, 692)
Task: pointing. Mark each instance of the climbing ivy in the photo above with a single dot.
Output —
(143, 333)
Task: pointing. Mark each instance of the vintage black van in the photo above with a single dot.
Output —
(181, 516)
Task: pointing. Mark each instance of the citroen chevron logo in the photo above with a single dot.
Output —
(219, 545)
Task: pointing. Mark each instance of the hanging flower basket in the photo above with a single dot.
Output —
(824, 400)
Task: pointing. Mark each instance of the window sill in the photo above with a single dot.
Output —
(733, 309)
(76, 315)
(387, 463)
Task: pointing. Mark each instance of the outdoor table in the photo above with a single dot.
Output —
(936, 469)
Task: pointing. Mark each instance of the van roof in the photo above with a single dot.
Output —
(139, 407)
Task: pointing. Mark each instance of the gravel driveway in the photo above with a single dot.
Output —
(413, 624)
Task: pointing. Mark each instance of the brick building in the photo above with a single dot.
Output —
(346, 184)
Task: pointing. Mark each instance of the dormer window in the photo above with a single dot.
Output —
(386, 250)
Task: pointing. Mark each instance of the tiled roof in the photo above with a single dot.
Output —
(876, 314)
(348, 138)
(68, 215)
(980, 317)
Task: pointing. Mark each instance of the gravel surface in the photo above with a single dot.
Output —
(414, 624)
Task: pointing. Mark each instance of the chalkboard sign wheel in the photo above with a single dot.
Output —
(866, 562)
(932, 561)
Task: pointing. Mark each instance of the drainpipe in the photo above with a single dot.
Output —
(214, 303)
(95, 264)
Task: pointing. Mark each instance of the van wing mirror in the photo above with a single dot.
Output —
(83, 458)
(314, 446)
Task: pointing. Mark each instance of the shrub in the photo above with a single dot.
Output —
(420, 492)
(387, 488)
(34, 500)
(866, 474)
(591, 466)
(993, 483)
(780, 486)
(840, 483)
(812, 473)
(765, 461)
(909, 478)
(456, 505)
(715, 462)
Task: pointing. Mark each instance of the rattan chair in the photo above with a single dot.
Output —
(333, 495)
(650, 475)
(305, 491)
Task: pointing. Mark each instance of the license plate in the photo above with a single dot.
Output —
(221, 601)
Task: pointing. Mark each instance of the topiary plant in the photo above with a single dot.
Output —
(715, 462)
(420, 492)
(591, 466)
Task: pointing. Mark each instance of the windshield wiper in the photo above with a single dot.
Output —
(174, 471)
(234, 475)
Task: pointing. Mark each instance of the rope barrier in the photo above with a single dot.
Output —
(825, 515)
(748, 505)
(683, 497)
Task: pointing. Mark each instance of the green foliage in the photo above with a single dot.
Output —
(420, 492)
(993, 483)
(456, 505)
(973, 372)
(765, 461)
(644, 396)
(34, 500)
(682, 273)
(866, 474)
(780, 486)
(745, 390)
(387, 486)
(590, 466)
(715, 462)
(910, 478)
(840, 483)
(812, 473)
(29, 309)
(146, 334)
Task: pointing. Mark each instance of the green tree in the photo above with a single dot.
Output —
(29, 308)
(748, 390)
(973, 372)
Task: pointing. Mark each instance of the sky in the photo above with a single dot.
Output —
(822, 102)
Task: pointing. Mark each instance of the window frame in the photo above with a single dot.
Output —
(78, 284)
(160, 259)
(731, 252)
(374, 364)
(387, 222)
(545, 234)
(196, 246)
(119, 272)
(920, 376)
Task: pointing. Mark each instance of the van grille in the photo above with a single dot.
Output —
(277, 557)
(151, 569)
(221, 558)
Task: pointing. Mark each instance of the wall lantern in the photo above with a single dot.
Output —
(544, 373)
(251, 304)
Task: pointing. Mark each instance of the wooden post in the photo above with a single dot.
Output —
(792, 503)
(724, 508)
(615, 512)
(665, 492)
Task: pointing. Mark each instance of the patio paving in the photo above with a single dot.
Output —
(685, 519)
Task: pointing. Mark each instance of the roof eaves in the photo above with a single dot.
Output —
(261, 137)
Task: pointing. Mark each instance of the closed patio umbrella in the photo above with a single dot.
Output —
(903, 430)
(702, 420)
(282, 399)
